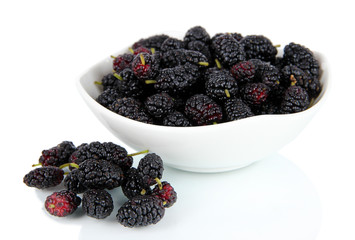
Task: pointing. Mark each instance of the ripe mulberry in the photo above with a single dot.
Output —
(133, 184)
(131, 108)
(100, 174)
(149, 168)
(159, 105)
(228, 50)
(141, 211)
(176, 119)
(72, 182)
(202, 110)
(296, 99)
(44, 177)
(302, 57)
(259, 47)
(107, 151)
(58, 155)
(97, 203)
(177, 80)
(220, 86)
(236, 109)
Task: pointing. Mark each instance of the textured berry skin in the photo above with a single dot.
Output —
(130, 108)
(177, 80)
(259, 47)
(133, 184)
(141, 211)
(141, 50)
(100, 174)
(236, 109)
(292, 74)
(159, 105)
(177, 57)
(171, 44)
(122, 62)
(201, 47)
(62, 203)
(228, 50)
(97, 203)
(44, 177)
(302, 57)
(243, 72)
(255, 93)
(176, 119)
(166, 193)
(149, 168)
(235, 35)
(108, 96)
(197, 33)
(72, 183)
(109, 81)
(147, 68)
(151, 42)
(107, 151)
(130, 85)
(296, 99)
(218, 83)
(57, 155)
(202, 110)
(271, 76)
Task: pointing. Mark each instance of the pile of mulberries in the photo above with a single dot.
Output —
(89, 173)
(211, 79)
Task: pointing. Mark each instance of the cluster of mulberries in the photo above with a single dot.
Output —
(202, 79)
(95, 169)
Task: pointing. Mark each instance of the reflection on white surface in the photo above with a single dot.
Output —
(271, 199)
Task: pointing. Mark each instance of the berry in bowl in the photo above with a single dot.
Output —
(207, 103)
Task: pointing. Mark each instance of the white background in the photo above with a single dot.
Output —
(46, 45)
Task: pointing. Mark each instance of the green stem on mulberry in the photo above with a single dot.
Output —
(74, 165)
(278, 45)
(219, 66)
(37, 164)
(142, 59)
(131, 50)
(152, 50)
(143, 192)
(112, 56)
(137, 153)
(227, 93)
(150, 81)
(203, 63)
(118, 76)
(214, 123)
(160, 185)
(98, 83)
(293, 80)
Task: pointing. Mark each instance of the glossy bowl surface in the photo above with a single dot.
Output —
(214, 148)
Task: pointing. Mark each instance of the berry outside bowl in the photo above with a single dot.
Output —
(213, 148)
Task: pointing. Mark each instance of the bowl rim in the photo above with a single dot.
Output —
(324, 79)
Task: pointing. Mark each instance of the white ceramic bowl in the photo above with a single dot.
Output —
(213, 148)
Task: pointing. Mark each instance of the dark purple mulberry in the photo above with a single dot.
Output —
(202, 110)
(228, 50)
(44, 177)
(296, 99)
(259, 47)
(141, 211)
(236, 109)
